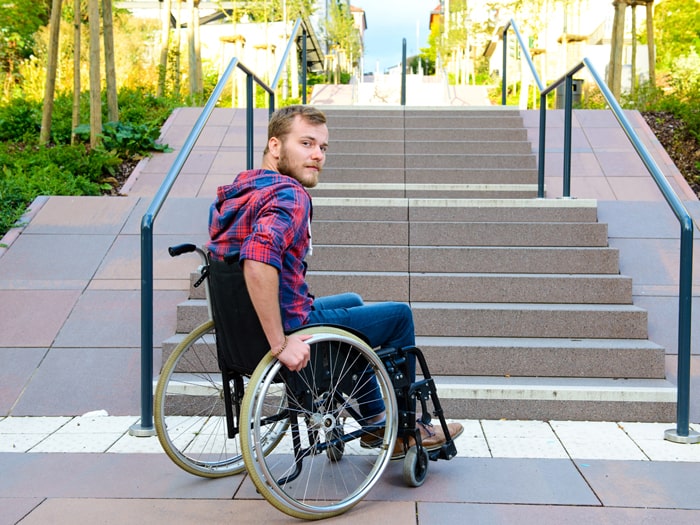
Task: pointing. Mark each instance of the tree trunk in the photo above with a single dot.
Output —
(51, 67)
(633, 79)
(177, 74)
(110, 72)
(75, 122)
(650, 42)
(95, 86)
(616, 46)
(164, 47)
(191, 57)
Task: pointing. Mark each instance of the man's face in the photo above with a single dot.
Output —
(302, 153)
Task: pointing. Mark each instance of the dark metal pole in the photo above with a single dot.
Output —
(504, 83)
(542, 146)
(567, 137)
(249, 121)
(145, 427)
(403, 73)
(303, 67)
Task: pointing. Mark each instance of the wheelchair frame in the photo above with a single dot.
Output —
(299, 435)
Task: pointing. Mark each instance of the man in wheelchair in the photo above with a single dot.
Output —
(262, 221)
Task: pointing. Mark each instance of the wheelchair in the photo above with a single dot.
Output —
(223, 405)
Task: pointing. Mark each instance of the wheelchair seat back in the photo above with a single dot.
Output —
(240, 340)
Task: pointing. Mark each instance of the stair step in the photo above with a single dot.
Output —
(480, 161)
(511, 259)
(399, 175)
(478, 288)
(340, 135)
(454, 210)
(503, 319)
(485, 121)
(579, 399)
(431, 191)
(502, 210)
(521, 288)
(525, 357)
(508, 234)
(538, 357)
(432, 161)
(504, 135)
(572, 321)
(361, 145)
(480, 147)
(460, 234)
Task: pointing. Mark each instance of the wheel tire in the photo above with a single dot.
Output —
(323, 487)
(189, 412)
(415, 467)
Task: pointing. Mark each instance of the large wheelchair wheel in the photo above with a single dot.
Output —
(189, 411)
(323, 466)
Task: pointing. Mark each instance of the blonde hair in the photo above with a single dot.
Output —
(281, 121)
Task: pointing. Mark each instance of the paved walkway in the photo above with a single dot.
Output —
(70, 362)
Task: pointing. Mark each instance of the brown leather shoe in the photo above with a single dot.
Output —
(432, 438)
(372, 439)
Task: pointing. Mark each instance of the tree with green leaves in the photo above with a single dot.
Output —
(19, 20)
(677, 30)
(342, 35)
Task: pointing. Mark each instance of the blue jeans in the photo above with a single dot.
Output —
(386, 324)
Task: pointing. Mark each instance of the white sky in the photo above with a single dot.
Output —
(388, 23)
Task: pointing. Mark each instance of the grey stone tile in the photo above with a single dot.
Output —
(123, 261)
(650, 261)
(74, 381)
(490, 480)
(188, 511)
(635, 188)
(440, 513)
(663, 321)
(54, 257)
(18, 366)
(181, 216)
(105, 476)
(112, 319)
(630, 219)
(652, 484)
(14, 509)
(82, 215)
(32, 318)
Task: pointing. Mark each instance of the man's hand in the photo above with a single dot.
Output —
(296, 354)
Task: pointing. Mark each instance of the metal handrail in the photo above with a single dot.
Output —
(682, 432)
(283, 61)
(145, 426)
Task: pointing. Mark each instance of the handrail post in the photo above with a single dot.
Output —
(566, 192)
(403, 72)
(249, 121)
(504, 82)
(145, 428)
(303, 67)
(542, 145)
(682, 433)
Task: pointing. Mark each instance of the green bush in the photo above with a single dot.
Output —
(27, 171)
(20, 120)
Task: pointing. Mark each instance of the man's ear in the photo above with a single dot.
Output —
(274, 145)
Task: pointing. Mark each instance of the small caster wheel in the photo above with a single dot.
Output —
(415, 467)
(335, 451)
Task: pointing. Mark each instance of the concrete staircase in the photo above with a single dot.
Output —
(518, 302)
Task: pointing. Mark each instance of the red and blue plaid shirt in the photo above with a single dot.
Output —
(264, 216)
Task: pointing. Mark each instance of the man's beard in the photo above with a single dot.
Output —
(285, 169)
